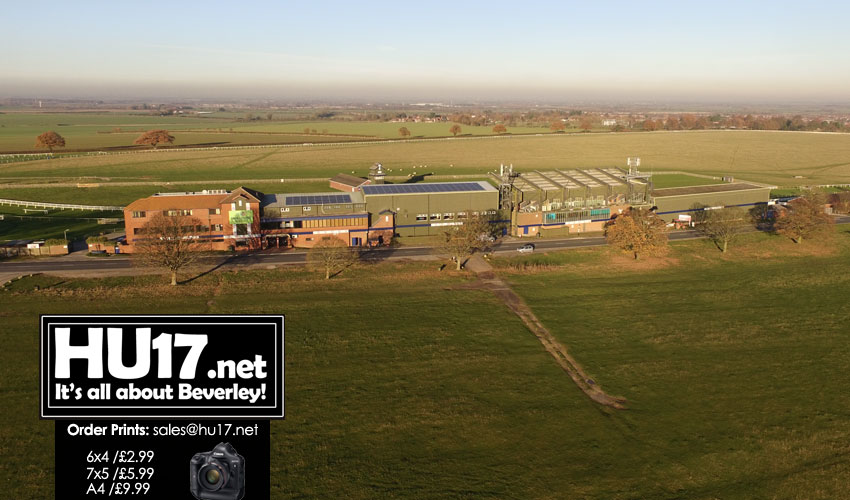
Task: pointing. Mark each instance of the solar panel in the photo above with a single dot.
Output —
(318, 199)
(437, 187)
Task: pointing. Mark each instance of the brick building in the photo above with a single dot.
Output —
(227, 219)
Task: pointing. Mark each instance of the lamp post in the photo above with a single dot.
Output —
(66, 235)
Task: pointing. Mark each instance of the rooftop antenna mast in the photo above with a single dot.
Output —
(506, 179)
(636, 175)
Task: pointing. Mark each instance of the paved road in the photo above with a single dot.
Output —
(95, 265)
(290, 256)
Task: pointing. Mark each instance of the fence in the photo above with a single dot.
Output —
(60, 206)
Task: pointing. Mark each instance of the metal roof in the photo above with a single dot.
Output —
(317, 199)
(426, 187)
(296, 199)
(552, 180)
(710, 188)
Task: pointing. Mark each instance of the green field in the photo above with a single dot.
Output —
(771, 157)
(18, 224)
(94, 130)
(735, 368)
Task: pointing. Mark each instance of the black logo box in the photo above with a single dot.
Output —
(229, 338)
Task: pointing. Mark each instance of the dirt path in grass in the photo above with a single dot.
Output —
(487, 280)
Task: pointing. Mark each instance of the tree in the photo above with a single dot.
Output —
(404, 132)
(170, 242)
(461, 241)
(557, 126)
(331, 255)
(50, 140)
(638, 232)
(804, 218)
(586, 124)
(721, 226)
(499, 129)
(154, 137)
(455, 130)
(269, 116)
(649, 125)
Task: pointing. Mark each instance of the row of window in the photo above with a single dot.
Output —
(188, 229)
(452, 216)
(571, 216)
(317, 223)
(141, 214)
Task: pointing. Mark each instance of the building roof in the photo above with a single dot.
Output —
(349, 180)
(250, 194)
(178, 201)
(427, 188)
(711, 188)
(552, 180)
(293, 199)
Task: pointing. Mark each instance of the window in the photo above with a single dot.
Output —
(306, 209)
(217, 227)
(138, 214)
(240, 203)
(421, 216)
(461, 215)
(284, 210)
(309, 239)
(215, 211)
(435, 216)
(175, 213)
(203, 229)
(448, 216)
(138, 230)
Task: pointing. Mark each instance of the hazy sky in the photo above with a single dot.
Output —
(560, 50)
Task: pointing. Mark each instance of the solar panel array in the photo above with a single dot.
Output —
(437, 187)
(318, 199)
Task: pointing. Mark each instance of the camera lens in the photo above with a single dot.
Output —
(213, 476)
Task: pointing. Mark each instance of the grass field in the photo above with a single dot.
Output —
(91, 130)
(17, 224)
(735, 367)
(771, 157)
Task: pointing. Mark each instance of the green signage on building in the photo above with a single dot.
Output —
(241, 217)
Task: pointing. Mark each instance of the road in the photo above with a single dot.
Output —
(96, 265)
(117, 264)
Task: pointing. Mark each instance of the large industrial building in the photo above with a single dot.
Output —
(368, 212)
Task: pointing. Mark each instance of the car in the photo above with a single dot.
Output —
(527, 248)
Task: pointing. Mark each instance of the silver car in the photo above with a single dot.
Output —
(527, 248)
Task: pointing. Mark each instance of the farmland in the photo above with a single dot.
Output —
(81, 130)
(735, 368)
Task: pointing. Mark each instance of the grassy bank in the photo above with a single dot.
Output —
(401, 384)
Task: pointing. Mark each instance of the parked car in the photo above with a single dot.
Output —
(527, 248)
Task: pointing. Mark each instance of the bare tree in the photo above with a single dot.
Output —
(50, 140)
(331, 255)
(804, 218)
(154, 137)
(586, 124)
(404, 132)
(721, 226)
(557, 126)
(170, 242)
(499, 129)
(455, 130)
(639, 232)
(460, 241)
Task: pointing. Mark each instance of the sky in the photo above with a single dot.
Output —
(760, 51)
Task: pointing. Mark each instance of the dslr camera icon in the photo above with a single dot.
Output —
(218, 474)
